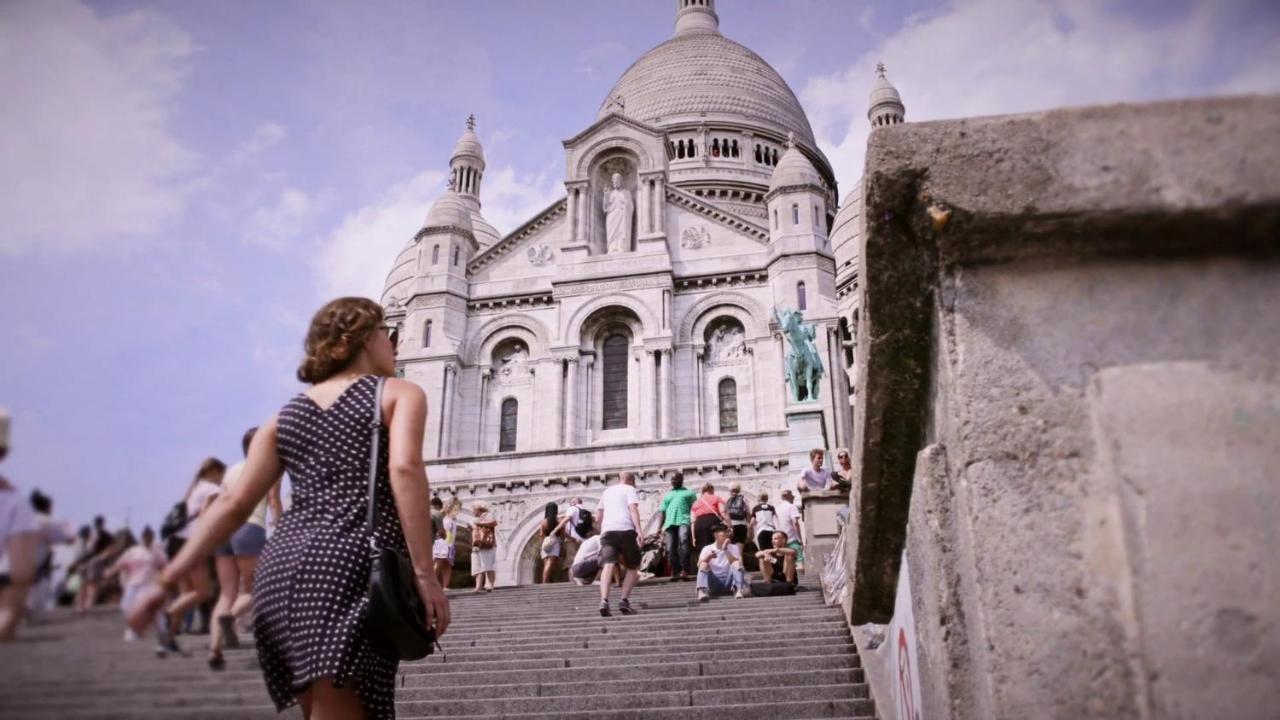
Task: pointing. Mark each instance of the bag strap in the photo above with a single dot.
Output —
(375, 425)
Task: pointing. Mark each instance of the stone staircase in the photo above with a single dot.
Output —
(528, 652)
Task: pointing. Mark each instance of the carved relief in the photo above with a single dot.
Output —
(597, 288)
(726, 343)
(540, 255)
(695, 237)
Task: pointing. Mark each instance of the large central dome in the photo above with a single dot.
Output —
(700, 75)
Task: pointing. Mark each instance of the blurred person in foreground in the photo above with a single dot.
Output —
(19, 543)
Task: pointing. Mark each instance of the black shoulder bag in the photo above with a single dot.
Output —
(395, 622)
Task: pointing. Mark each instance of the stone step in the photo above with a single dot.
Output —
(527, 698)
(857, 709)
(533, 653)
(211, 690)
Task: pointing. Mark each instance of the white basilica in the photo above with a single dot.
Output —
(630, 325)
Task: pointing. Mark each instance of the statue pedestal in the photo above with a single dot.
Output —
(806, 430)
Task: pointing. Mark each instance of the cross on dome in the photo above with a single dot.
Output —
(453, 184)
(471, 122)
(880, 69)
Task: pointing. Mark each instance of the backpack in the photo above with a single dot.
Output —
(584, 523)
(482, 537)
(174, 521)
(737, 507)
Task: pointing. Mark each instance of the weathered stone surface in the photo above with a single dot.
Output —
(1070, 404)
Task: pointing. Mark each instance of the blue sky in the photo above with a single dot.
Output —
(183, 183)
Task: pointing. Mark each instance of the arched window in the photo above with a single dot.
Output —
(728, 405)
(815, 216)
(693, 149)
(507, 428)
(426, 334)
(802, 302)
(775, 218)
(733, 148)
(455, 255)
(715, 147)
(758, 153)
(795, 214)
(435, 254)
(614, 410)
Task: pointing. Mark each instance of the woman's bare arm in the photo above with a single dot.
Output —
(407, 419)
(231, 508)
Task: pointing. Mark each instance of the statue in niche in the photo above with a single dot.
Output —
(727, 343)
(513, 361)
(618, 211)
(803, 365)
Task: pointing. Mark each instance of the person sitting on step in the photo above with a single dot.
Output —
(778, 563)
(586, 562)
(720, 570)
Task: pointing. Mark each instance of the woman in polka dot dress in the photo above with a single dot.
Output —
(310, 592)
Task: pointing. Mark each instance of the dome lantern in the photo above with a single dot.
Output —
(466, 165)
(885, 105)
(695, 16)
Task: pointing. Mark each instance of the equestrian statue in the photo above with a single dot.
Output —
(803, 363)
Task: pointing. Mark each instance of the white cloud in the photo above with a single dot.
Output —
(357, 255)
(508, 200)
(264, 137)
(88, 153)
(1002, 56)
(273, 227)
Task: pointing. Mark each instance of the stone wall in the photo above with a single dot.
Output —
(1069, 409)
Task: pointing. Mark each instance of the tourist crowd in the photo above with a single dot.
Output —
(229, 549)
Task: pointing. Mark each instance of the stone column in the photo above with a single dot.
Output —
(571, 404)
(571, 214)
(446, 409)
(659, 202)
(698, 359)
(664, 391)
(651, 371)
(483, 399)
(642, 206)
(589, 376)
(584, 214)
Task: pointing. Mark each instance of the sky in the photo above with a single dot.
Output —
(183, 183)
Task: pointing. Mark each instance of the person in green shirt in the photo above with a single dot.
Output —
(676, 523)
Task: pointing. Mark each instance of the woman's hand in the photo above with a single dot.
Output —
(146, 608)
(437, 605)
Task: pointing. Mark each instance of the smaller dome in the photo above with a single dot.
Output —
(401, 276)
(794, 168)
(485, 233)
(469, 143)
(883, 93)
(449, 211)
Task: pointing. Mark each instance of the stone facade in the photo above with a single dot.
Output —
(732, 206)
(1068, 418)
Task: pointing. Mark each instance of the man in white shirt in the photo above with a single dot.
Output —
(720, 567)
(619, 516)
(792, 523)
(586, 562)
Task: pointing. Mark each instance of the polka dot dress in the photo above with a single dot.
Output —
(310, 590)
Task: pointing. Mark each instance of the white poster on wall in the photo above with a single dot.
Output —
(902, 641)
